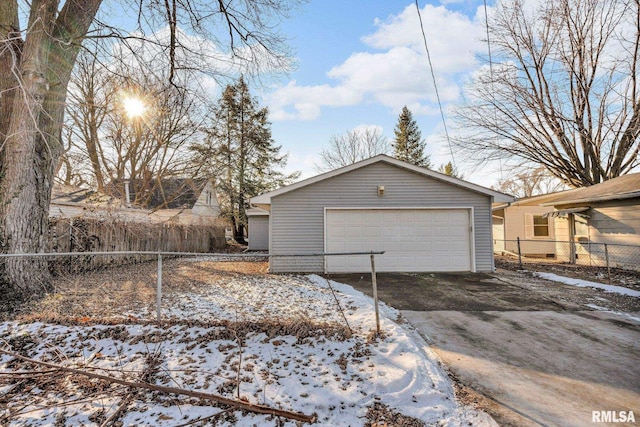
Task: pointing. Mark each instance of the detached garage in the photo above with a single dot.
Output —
(423, 220)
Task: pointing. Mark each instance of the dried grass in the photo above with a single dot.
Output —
(380, 415)
(101, 297)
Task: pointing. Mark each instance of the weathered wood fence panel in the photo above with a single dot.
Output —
(104, 235)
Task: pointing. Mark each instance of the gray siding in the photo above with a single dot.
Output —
(259, 233)
(297, 217)
(617, 222)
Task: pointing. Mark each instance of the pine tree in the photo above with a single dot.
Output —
(241, 154)
(451, 170)
(408, 145)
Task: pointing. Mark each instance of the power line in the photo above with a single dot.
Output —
(426, 47)
(493, 92)
(486, 24)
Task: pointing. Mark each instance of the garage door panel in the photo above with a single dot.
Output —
(413, 239)
(354, 247)
(353, 232)
(372, 231)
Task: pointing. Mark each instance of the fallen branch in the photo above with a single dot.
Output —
(20, 374)
(246, 406)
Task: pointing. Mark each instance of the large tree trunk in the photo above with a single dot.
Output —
(32, 145)
(21, 209)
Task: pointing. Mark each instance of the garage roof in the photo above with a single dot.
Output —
(265, 198)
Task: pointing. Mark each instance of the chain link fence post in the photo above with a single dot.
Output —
(606, 258)
(159, 289)
(374, 283)
(519, 254)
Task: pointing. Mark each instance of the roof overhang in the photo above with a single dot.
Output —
(499, 206)
(563, 213)
(257, 212)
(602, 198)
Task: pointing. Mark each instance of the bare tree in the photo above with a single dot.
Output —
(146, 148)
(36, 64)
(562, 91)
(90, 100)
(351, 147)
(530, 182)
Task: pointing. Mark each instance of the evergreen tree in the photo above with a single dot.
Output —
(451, 170)
(408, 145)
(240, 154)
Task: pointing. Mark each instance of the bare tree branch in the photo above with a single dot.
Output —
(36, 65)
(351, 147)
(564, 90)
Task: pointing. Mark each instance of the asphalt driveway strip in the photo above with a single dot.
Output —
(528, 351)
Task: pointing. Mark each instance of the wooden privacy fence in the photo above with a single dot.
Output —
(108, 235)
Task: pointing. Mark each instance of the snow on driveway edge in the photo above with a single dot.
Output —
(409, 344)
(587, 284)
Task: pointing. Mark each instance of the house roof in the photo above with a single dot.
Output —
(73, 196)
(622, 187)
(265, 198)
(538, 200)
(170, 193)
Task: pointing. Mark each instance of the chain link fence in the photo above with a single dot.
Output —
(138, 333)
(594, 254)
(200, 287)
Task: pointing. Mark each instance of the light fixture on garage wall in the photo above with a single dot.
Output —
(380, 190)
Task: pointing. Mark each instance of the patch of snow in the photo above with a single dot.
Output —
(587, 284)
(338, 379)
(617, 313)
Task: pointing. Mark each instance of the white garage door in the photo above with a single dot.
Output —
(413, 239)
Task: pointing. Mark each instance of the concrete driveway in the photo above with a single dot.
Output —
(528, 351)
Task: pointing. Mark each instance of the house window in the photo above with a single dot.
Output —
(540, 226)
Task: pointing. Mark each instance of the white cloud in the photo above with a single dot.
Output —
(304, 102)
(397, 73)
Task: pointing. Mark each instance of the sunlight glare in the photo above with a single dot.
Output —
(134, 107)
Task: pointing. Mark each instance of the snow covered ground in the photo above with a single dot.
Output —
(287, 343)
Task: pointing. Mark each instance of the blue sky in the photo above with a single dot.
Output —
(360, 61)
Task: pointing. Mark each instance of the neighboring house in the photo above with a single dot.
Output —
(423, 220)
(180, 200)
(526, 220)
(608, 212)
(71, 202)
(85, 220)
